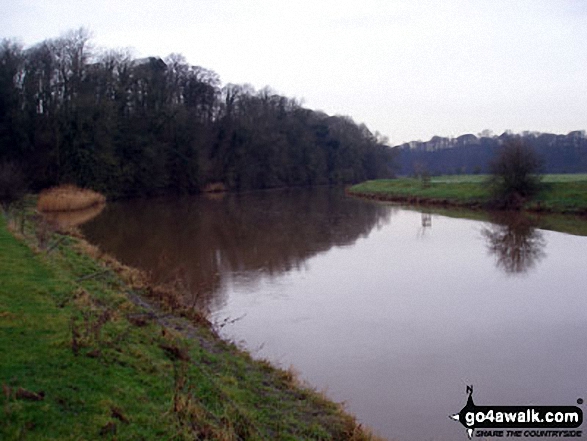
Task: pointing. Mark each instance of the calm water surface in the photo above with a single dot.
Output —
(390, 310)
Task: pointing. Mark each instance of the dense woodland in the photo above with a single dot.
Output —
(132, 127)
(473, 154)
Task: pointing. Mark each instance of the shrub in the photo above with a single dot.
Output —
(515, 175)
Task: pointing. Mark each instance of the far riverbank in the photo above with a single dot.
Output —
(566, 194)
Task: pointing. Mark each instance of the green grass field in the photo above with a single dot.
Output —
(560, 193)
(79, 360)
(482, 178)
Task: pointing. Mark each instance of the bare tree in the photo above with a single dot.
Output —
(515, 174)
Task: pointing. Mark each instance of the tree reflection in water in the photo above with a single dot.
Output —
(515, 242)
(200, 244)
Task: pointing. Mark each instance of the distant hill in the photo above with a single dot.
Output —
(469, 154)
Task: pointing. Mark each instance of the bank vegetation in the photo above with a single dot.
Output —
(93, 349)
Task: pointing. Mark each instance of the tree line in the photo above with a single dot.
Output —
(473, 154)
(133, 127)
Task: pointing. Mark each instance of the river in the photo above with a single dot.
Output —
(392, 310)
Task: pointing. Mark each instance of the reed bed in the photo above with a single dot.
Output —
(68, 198)
(215, 187)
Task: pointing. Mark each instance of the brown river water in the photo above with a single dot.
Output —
(392, 310)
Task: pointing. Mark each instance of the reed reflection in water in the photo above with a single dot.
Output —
(62, 220)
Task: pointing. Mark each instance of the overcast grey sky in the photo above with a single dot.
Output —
(408, 69)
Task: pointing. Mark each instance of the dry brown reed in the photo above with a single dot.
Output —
(68, 198)
(165, 296)
(135, 278)
(215, 187)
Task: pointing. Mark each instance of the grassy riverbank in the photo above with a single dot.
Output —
(560, 193)
(89, 350)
